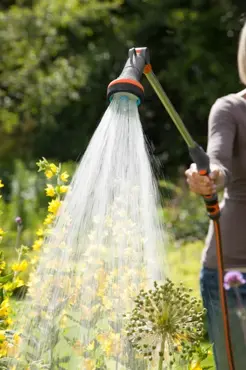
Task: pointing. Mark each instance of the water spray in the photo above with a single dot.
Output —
(138, 63)
(106, 245)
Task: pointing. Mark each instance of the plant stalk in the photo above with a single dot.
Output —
(241, 311)
(161, 359)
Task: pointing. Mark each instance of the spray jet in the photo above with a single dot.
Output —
(138, 63)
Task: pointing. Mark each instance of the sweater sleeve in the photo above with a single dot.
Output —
(221, 135)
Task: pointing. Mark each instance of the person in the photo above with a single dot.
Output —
(226, 149)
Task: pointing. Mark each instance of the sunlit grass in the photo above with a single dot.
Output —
(184, 262)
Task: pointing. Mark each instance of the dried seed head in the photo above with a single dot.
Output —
(166, 311)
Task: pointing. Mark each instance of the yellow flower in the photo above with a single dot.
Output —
(2, 265)
(195, 365)
(40, 232)
(54, 205)
(34, 260)
(3, 349)
(8, 321)
(63, 322)
(20, 267)
(10, 286)
(48, 174)
(107, 303)
(1, 232)
(3, 311)
(50, 191)
(4, 308)
(1, 184)
(107, 342)
(64, 176)
(89, 364)
(107, 346)
(91, 346)
(53, 168)
(49, 219)
(63, 188)
(37, 244)
(16, 338)
(2, 335)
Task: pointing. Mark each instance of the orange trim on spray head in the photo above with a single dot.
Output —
(126, 81)
(126, 85)
(147, 69)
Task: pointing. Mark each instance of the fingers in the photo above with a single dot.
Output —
(214, 175)
(192, 169)
(203, 185)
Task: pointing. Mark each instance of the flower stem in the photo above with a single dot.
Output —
(161, 359)
(242, 312)
(17, 244)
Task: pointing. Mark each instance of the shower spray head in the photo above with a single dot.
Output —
(129, 80)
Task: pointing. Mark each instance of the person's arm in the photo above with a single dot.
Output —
(221, 135)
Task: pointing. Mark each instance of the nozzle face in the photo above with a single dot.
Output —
(126, 97)
(122, 85)
(128, 81)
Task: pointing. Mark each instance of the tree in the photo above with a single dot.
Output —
(47, 54)
(193, 48)
(58, 58)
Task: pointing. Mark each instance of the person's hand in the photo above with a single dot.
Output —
(203, 185)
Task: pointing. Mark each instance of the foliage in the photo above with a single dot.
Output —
(47, 53)
(58, 58)
(184, 213)
(11, 277)
(9, 281)
(24, 196)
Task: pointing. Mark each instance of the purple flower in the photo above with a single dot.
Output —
(233, 279)
(18, 220)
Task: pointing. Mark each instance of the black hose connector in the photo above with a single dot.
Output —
(129, 80)
(201, 159)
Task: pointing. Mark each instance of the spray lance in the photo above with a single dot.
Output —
(138, 63)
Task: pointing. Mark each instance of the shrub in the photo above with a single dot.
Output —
(15, 275)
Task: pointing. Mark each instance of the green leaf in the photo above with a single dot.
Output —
(6, 278)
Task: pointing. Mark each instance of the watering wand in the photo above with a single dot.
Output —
(138, 63)
(129, 80)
